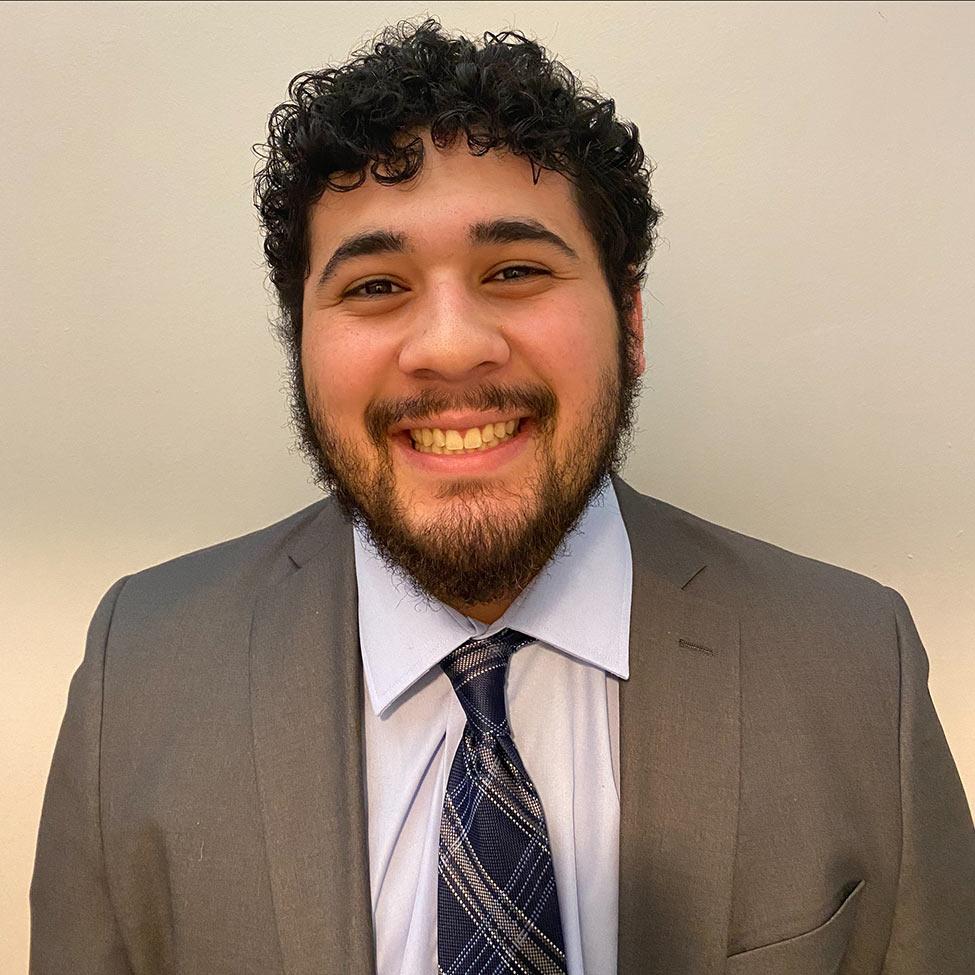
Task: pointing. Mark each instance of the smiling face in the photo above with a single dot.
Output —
(461, 359)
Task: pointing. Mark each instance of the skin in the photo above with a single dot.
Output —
(446, 317)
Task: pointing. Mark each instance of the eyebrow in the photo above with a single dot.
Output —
(509, 230)
(504, 230)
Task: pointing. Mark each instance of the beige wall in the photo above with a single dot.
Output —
(809, 310)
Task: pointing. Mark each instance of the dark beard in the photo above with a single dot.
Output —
(469, 558)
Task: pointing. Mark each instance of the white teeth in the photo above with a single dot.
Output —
(437, 441)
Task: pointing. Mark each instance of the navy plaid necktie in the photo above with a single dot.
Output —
(497, 906)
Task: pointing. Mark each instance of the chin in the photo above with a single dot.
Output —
(457, 497)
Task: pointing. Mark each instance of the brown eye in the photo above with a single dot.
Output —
(376, 288)
(524, 271)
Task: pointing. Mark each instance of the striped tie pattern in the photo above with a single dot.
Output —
(497, 905)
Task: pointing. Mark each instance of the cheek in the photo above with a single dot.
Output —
(342, 367)
(570, 345)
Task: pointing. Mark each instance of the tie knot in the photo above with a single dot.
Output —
(478, 669)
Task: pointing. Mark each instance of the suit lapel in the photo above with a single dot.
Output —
(679, 757)
(306, 695)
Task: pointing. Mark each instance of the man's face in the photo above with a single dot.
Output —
(462, 368)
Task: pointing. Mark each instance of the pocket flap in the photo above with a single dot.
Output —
(817, 952)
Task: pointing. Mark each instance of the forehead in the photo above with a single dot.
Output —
(453, 191)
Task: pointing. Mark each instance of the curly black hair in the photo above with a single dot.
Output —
(362, 117)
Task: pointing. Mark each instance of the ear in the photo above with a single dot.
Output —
(635, 327)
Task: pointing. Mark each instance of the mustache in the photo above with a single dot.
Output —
(536, 400)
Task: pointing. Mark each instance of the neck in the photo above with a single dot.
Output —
(484, 612)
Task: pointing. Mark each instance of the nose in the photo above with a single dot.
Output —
(453, 337)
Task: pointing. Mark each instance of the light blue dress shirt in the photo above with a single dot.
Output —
(563, 707)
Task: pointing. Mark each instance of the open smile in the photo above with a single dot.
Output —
(463, 448)
(436, 440)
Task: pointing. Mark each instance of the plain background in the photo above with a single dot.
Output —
(809, 309)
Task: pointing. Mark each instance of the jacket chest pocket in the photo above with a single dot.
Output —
(816, 952)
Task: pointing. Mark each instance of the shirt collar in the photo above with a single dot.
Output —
(402, 634)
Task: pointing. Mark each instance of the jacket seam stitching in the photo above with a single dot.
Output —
(900, 762)
(101, 722)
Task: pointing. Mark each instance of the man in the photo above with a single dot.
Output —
(486, 708)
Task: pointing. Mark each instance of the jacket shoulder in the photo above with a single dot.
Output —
(228, 573)
(738, 569)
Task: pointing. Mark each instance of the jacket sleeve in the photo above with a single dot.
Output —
(73, 926)
(934, 919)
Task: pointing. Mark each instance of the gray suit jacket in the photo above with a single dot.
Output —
(789, 802)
